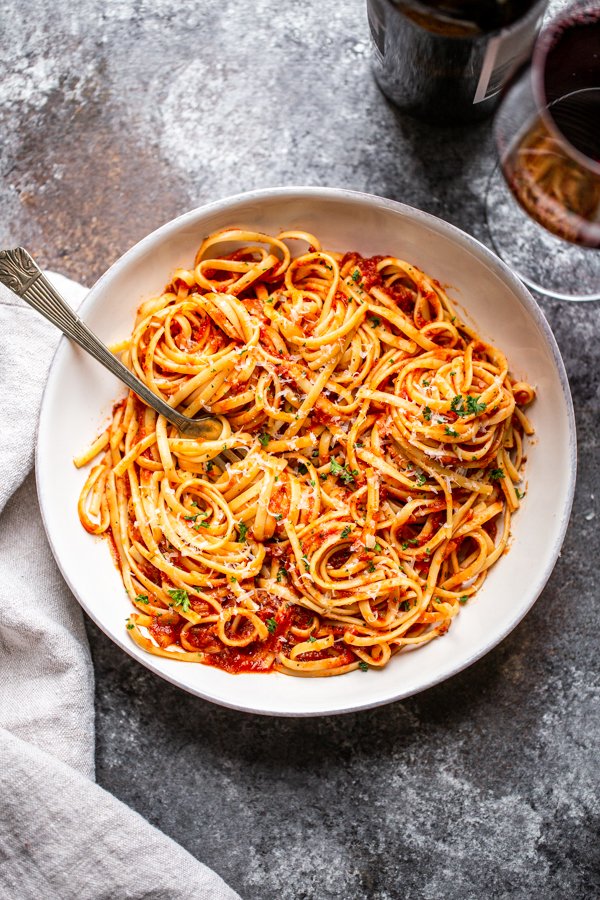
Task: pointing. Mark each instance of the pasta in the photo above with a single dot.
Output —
(369, 446)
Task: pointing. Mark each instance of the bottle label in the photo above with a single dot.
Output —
(503, 55)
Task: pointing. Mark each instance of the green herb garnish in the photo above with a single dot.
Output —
(343, 472)
(179, 596)
(473, 405)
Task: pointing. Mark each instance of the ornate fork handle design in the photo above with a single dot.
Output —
(21, 274)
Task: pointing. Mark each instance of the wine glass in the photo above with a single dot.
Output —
(543, 199)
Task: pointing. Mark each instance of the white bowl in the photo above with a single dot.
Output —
(79, 397)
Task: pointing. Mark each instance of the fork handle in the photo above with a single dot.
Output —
(21, 274)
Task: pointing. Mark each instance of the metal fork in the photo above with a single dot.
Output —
(21, 274)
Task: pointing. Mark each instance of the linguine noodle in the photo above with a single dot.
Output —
(364, 479)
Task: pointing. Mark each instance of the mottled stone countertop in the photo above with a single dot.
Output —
(117, 116)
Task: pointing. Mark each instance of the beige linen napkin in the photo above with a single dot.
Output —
(61, 836)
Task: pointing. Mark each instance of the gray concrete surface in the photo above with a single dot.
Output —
(114, 117)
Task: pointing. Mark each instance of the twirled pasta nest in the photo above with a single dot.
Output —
(365, 475)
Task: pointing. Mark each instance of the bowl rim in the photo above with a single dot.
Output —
(437, 224)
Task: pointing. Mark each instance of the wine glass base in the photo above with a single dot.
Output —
(546, 263)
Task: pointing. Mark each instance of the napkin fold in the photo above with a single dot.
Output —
(61, 836)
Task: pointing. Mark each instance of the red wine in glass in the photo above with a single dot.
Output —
(548, 135)
(557, 189)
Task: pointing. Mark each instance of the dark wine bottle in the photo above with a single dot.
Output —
(446, 61)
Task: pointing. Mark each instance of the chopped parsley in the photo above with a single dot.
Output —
(520, 494)
(451, 432)
(242, 531)
(179, 596)
(474, 405)
(346, 531)
(421, 479)
(197, 525)
(282, 573)
(427, 414)
(375, 321)
(472, 408)
(377, 547)
(371, 567)
(305, 561)
(209, 465)
(463, 600)
(264, 439)
(458, 405)
(496, 474)
(312, 639)
(302, 469)
(363, 666)
(142, 598)
(271, 625)
(129, 626)
(343, 472)
(356, 276)
(404, 606)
